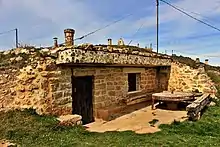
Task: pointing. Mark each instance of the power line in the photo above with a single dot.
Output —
(182, 11)
(195, 13)
(106, 26)
(103, 27)
(136, 33)
(5, 32)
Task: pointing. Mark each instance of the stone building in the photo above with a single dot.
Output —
(91, 80)
(105, 77)
(95, 81)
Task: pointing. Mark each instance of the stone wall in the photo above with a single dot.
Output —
(149, 80)
(111, 55)
(188, 79)
(44, 87)
(111, 84)
(30, 78)
(8, 76)
(34, 81)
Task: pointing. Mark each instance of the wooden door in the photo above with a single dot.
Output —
(82, 98)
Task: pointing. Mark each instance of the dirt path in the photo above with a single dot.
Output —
(138, 121)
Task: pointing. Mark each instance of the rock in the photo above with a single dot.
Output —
(45, 50)
(70, 120)
(2, 82)
(17, 51)
(5, 143)
(25, 51)
(12, 59)
(6, 52)
(19, 58)
(212, 104)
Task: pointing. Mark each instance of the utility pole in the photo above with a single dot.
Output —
(16, 37)
(157, 4)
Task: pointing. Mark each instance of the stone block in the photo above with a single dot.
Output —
(110, 87)
(99, 77)
(57, 95)
(103, 92)
(110, 83)
(97, 81)
(100, 86)
(70, 120)
(97, 92)
(111, 93)
(65, 86)
(54, 80)
(54, 87)
(118, 88)
(64, 101)
(104, 71)
(67, 93)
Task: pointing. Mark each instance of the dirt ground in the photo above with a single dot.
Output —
(138, 121)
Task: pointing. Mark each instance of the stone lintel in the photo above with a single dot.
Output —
(82, 56)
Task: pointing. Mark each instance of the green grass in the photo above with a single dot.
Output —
(30, 130)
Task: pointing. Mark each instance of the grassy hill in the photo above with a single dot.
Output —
(190, 62)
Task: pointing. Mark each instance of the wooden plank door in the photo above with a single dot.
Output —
(82, 98)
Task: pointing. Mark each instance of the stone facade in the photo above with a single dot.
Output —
(111, 84)
(37, 81)
(188, 79)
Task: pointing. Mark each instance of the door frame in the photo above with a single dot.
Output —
(73, 78)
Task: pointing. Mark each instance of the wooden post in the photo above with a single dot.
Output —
(16, 37)
(157, 21)
(152, 107)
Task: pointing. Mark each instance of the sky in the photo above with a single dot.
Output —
(38, 21)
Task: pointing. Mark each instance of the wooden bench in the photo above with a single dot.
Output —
(194, 109)
(138, 97)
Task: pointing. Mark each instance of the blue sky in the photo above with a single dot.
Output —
(39, 21)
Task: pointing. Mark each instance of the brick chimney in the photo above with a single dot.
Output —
(69, 36)
(206, 61)
(109, 41)
(55, 43)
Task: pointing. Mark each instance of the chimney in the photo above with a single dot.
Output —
(69, 35)
(206, 61)
(121, 42)
(55, 43)
(109, 41)
(197, 61)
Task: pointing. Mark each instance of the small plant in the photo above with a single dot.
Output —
(153, 122)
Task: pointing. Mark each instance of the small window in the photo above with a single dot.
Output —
(133, 81)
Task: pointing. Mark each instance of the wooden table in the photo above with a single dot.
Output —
(171, 97)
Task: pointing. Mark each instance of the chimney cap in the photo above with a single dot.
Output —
(206, 59)
(55, 38)
(69, 31)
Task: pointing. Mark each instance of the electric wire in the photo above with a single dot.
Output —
(184, 12)
(135, 33)
(5, 32)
